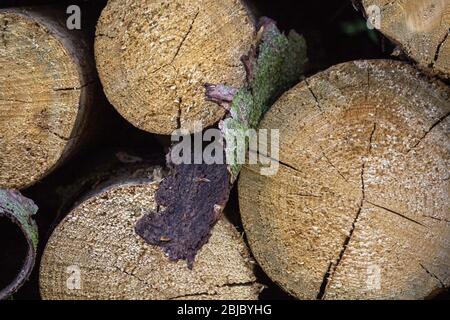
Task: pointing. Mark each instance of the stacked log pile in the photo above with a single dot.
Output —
(358, 209)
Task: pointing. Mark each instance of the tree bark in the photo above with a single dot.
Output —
(47, 93)
(97, 241)
(420, 27)
(155, 56)
(359, 207)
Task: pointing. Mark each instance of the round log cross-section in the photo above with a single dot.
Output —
(45, 94)
(96, 254)
(359, 208)
(154, 56)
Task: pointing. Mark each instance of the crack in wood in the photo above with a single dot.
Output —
(438, 49)
(333, 266)
(332, 165)
(314, 95)
(177, 52)
(205, 293)
(135, 277)
(396, 213)
(285, 165)
(74, 88)
(437, 123)
(105, 35)
(179, 112)
(437, 219)
(442, 284)
(191, 26)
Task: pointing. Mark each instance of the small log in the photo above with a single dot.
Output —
(47, 86)
(359, 207)
(97, 243)
(420, 28)
(20, 211)
(154, 57)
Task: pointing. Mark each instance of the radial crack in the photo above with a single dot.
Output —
(73, 88)
(438, 48)
(433, 275)
(314, 95)
(333, 166)
(205, 293)
(397, 213)
(179, 46)
(438, 122)
(57, 135)
(179, 114)
(285, 165)
(191, 26)
(437, 219)
(133, 276)
(333, 266)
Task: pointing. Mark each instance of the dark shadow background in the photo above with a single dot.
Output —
(335, 33)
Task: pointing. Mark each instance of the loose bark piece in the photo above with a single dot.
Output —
(273, 64)
(360, 206)
(46, 93)
(193, 205)
(154, 57)
(97, 242)
(420, 27)
(20, 211)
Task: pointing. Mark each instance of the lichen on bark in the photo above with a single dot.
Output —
(278, 62)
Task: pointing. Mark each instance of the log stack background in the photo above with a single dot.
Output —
(131, 135)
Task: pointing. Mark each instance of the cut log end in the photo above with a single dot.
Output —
(359, 207)
(40, 93)
(154, 70)
(420, 27)
(97, 243)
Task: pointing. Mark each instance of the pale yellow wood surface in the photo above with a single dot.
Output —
(360, 205)
(154, 56)
(98, 237)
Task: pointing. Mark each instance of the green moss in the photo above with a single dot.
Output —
(279, 65)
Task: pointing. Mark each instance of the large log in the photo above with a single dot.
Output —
(154, 57)
(97, 242)
(419, 27)
(47, 85)
(359, 208)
